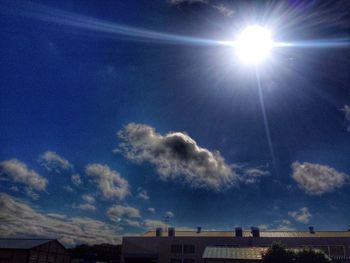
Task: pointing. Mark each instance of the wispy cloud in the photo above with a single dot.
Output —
(53, 162)
(108, 181)
(85, 207)
(316, 179)
(142, 194)
(346, 110)
(221, 8)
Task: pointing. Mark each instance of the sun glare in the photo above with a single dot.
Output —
(254, 44)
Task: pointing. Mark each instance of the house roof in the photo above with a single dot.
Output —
(280, 234)
(251, 253)
(8, 243)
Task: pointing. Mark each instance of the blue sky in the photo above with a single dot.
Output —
(114, 115)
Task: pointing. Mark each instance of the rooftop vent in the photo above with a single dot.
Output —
(171, 232)
(238, 232)
(159, 231)
(255, 231)
(199, 229)
(311, 230)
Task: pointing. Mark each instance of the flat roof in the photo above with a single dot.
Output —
(247, 233)
(246, 253)
(10, 243)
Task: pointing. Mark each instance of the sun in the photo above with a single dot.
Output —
(254, 44)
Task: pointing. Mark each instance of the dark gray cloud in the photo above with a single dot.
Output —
(176, 157)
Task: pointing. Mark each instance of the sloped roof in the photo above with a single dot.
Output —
(280, 234)
(9, 243)
(246, 253)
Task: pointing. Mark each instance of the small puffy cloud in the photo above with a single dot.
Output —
(88, 198)
(53, 162)
(19, 219)
(29, 192)
(108, 181)
(177, 157)
(253, 175)
(76, 179)
(151, 210)
(85, 207)
(18, 172)
(316, 179)
(346, 110)
(118, 212)
(142, 194)
(302, 215)
(169, 214)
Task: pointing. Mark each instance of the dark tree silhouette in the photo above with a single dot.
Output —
(308, 255)
(278, 253)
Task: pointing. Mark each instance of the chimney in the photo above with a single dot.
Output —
(159, 231)
(238, 232)
(311, 230)
(171, 232)
(255, 231)
(199, 229)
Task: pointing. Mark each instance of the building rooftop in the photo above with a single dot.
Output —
(9, 243)
(247, 233)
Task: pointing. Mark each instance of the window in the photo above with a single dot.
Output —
(175, 260)
(176, 249)
(337, 250)
(189, 249)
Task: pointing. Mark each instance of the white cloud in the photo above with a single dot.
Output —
(118, 212)
(176, 157)
(221, 8)
(316, 179)
(346, 110)
(151, 210)
(224, 10)
(169, 214)
(252, 175)
(88, 198)
(302, 215)
(85, 207)
(29, 192)
(151, 224)
(53, 162)
(76, 179)
(18, 219)
(108, 181)
(18, 172)
(142, 194)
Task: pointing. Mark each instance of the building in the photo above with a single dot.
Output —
(177, 246)
(33, 251)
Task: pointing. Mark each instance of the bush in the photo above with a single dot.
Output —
(278, 253)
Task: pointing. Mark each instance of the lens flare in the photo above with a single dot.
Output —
(254, 44)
